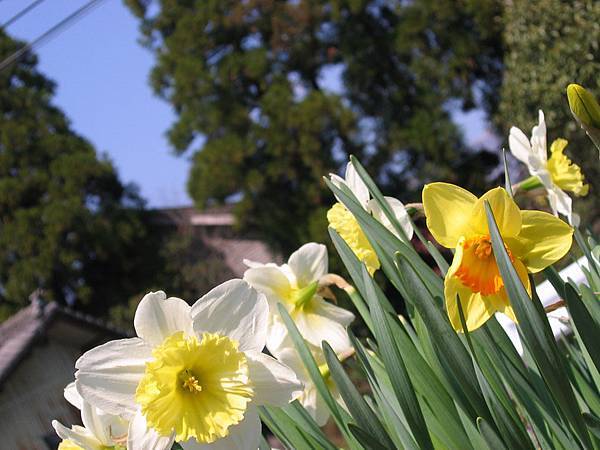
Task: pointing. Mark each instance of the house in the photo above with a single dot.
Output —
(40, 344)
(38, 349)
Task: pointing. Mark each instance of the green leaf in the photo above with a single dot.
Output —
(450, 350)
(490, 436)
(586, 328)
(339, 415)
(367, 440)
(510, 428)
(537, 334)
(395, 366)
(593, 423)
(359, 410)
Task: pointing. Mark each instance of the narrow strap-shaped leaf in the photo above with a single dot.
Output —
(395, 366)
(537, 334)
(587, 330)
(510, 428)
(367, 440)
(490, 436)
(339, 415)
(450, 350)
(364, 417)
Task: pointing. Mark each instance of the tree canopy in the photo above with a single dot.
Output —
(68, 224)
(549, 44)
(262, 112)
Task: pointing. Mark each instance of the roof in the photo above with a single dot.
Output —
(21, 332)
(216, 216)
(234, 251)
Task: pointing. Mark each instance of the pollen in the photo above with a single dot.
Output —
(195, 388)
(478, 269)
(190, 382)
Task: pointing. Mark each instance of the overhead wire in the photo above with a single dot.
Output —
(21, 13)
(50, 33)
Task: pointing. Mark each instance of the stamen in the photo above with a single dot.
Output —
(190, 382)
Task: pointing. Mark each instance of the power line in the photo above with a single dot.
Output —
(54, 31)
(21, 13)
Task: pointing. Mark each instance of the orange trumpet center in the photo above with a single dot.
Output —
(478, 269)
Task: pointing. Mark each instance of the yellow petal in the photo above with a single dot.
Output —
(448, 210)
(476, 308)
(346, 225)
(565, 174)
(543, 240)
(506, 212)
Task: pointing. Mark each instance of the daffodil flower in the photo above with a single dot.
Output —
(456, 218)
(193, 375)
(310, 399)
(295, 285)
(558, 173)
(100, 431)
(346, 225)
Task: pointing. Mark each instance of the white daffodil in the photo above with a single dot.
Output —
(557, 174)
(100, 431)
(193, 375)
(295, 285)
(346, 225)
(310, 399)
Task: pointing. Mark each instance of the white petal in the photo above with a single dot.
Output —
(357, 185)
(276, 335)
(519, 145)
(243, 436)
(78, 435)
(158, 317)
(399, 212)
(107, 428)
(325, 322)
(538, 139)
(252, 264)
(73, 396)
(108, 375)
(309, 263)
(274, 383)
(236, 310)
(271, 281)
(141, 437)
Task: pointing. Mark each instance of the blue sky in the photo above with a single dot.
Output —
(102, 73)
(102, 85)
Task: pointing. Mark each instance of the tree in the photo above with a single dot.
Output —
(68, 225)
(549, 44)
(248, 81)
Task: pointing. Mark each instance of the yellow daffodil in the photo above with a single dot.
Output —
(557, 173)
(457, 220)
(100, 431)
(296, 286)
(346, 225)
(193, 375)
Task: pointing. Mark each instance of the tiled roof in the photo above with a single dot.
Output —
(21, 331)
(235, 250)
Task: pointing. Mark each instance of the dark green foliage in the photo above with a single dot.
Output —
(68, 225)
(247, 82)
(549, 44)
